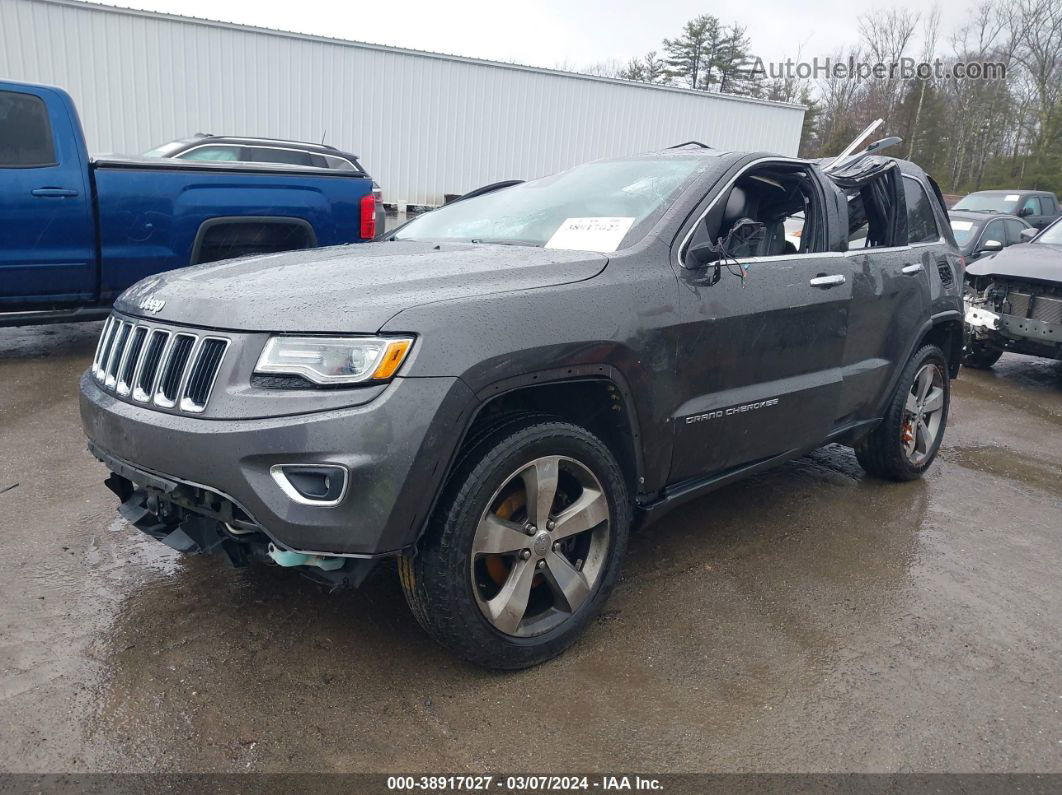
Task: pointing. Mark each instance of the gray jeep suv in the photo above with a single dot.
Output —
(497, 392)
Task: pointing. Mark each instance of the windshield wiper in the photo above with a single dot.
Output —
(505, 242)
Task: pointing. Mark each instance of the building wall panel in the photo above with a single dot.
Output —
(423, 124)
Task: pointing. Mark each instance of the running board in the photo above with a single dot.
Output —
(38, 317)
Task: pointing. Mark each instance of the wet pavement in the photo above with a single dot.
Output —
(806, 620)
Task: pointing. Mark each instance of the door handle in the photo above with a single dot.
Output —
(54, 193)
(826, 282)
(912, 269)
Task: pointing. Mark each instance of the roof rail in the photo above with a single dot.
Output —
(690, 143)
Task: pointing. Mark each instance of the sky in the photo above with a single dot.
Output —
(552, 33)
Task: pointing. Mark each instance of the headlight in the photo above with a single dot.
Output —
(335, 360)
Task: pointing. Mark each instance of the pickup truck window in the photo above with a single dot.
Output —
(25, 132)
(1047, 205)
(921, 223)
(1030, 207)
(1003, 203)
(627, 196)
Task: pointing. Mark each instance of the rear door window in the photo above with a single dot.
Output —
(265, 154)
(25, 132)
(212, 154)
(1047, 205)
(339, 163)
(921, 222)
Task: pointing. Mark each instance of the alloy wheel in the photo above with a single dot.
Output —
(923, 413)
(540, 546)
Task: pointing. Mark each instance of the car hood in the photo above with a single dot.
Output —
(1039, 262)
(354, 288)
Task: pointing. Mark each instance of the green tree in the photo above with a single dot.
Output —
(731, 71)
(650, 68)
(689, 57)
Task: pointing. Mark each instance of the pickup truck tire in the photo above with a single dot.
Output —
(904, 445)
(491, 585)
(981, 356)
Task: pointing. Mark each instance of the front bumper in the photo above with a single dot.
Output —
(983, 323)
(395, 448)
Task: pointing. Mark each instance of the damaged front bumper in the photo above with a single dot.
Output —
(197, 520)
(393, 451)
(1013, 333)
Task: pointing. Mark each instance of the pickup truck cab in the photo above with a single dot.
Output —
(1038, 207)
(498, 389)
(77, 231)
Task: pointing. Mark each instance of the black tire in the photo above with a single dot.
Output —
(981, 356)
(883, 454)
(439, 580)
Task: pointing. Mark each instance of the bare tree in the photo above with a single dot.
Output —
(930, 29)
(886, 34)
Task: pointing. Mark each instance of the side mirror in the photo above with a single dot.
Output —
(1028, 234)
(1025, 212)
(991, 246)
(702, 255)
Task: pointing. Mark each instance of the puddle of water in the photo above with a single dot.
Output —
(1023, 470)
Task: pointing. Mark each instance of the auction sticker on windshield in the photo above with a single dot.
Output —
(590, 234)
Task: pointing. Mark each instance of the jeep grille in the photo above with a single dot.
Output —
(150, 364)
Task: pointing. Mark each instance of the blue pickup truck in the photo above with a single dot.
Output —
(76, 231)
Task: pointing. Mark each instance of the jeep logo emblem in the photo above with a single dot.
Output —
(152, 305)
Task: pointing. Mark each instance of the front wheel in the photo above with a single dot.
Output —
(905, 443)
(525, 546)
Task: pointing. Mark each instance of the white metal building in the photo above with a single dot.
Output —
(424, 124)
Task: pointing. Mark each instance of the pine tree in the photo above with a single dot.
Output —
(689, 56)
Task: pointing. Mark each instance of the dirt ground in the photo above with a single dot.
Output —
(806, 620)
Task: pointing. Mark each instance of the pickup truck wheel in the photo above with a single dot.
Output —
(525, 546)
(905, 443)
(981, 356)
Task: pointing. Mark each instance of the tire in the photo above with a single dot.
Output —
(981, 356)
(887, 452)
(471, 599)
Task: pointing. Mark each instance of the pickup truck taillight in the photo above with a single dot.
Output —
(368, 216)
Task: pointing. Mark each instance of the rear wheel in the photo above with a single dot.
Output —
(981, 356)
(525, 546)
(905, 443)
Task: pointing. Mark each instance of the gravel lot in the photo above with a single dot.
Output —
(806, 620)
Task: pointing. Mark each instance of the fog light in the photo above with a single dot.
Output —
(323, 485)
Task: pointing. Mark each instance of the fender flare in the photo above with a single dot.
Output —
(541, 378)
(939, 319)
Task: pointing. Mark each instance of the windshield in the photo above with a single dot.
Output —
(963, 230)
(1000, 202)
(166, 150)
(1052, 235)
(593, 207)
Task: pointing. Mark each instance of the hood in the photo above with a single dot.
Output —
(354, 288)
(1039, 262)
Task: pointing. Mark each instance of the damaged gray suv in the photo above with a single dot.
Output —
(499, 390)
